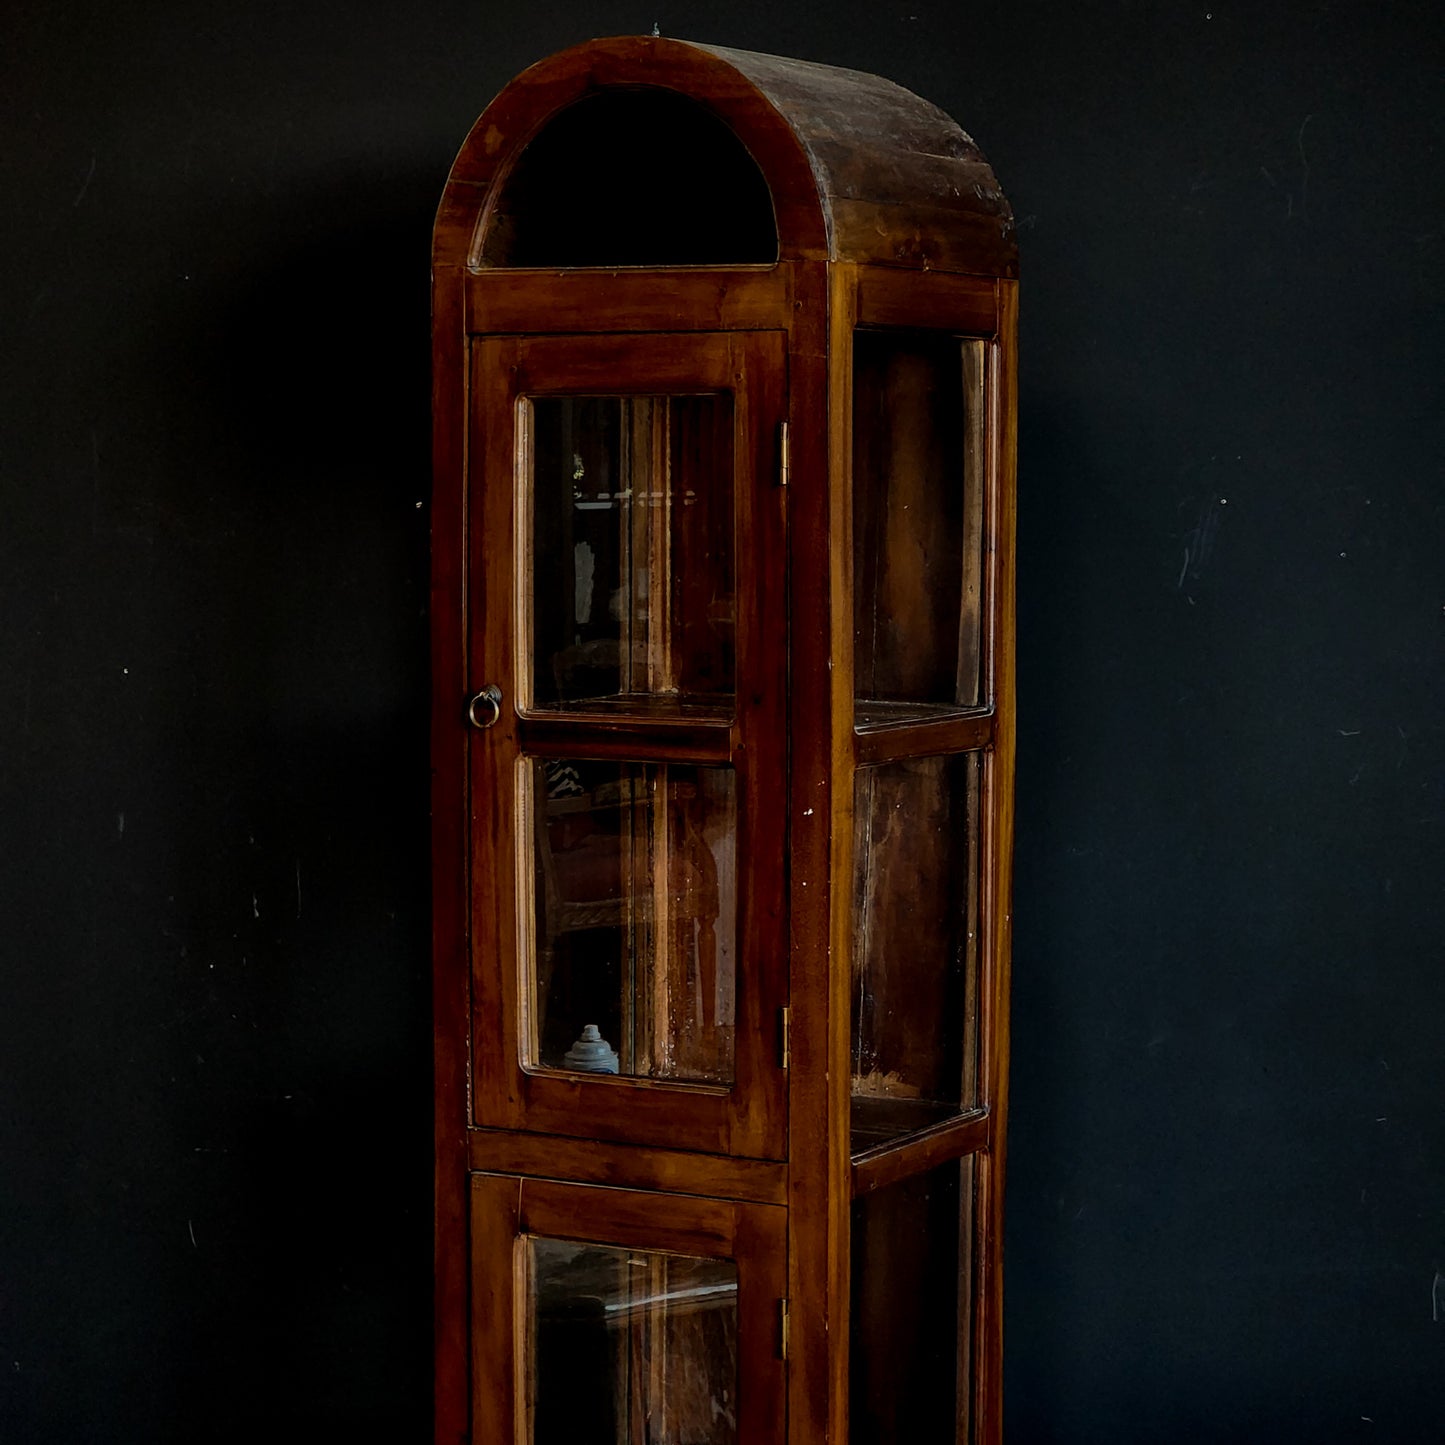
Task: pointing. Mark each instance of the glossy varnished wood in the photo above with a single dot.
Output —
(964, 305)
(924, 738)
(450, 990)
(889, 219)
(860, 169)
(921, 1151)
(498, 136)
(592, 1161)
(988, 1333)
(901, 182)
(835, 681)
(575, 735)
(585, 302)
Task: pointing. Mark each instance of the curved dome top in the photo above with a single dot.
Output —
(856, 167)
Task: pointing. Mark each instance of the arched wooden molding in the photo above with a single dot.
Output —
(858, 168)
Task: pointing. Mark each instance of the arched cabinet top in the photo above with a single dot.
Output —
(646, 151)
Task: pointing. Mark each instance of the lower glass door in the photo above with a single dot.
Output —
(629, 1345)
(620, 1317)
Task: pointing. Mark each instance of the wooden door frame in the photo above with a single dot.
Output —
(748, 1119)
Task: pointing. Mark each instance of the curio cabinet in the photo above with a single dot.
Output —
(722, 610)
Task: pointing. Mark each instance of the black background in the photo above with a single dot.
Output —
(1227, 1158)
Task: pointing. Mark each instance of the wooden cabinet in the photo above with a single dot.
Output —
(723, 758)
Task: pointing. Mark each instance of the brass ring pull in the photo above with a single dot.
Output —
(486, 707)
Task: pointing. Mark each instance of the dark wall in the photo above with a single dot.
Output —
(1227, 1158)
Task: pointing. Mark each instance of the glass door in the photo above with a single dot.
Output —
(625, 1318)
(628, 759)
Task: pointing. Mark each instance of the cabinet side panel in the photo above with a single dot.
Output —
(999, 872)
(448, 854)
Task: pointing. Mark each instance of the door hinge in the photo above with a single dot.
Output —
(785, 1040)
(785, 460)
(782, 1329)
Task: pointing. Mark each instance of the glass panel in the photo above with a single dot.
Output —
(633, 597)
(915, 945)
(634, 901)
(629, 1347)
(910, 1365)
(918, 483)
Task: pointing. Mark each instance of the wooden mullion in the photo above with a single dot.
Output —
(497, 458)
(974, 614)
(760, 1248)
(630, 520)
(974, 888)
(497, 1388)
(966, 1314)
(576, 736)
(842, 322)
(662, 957)
(661, 671)
(651, 507)
(759, 367)
(633, 865)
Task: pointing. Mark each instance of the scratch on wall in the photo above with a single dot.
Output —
(1304, 188)
(84, 185)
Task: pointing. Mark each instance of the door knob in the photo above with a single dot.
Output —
(486, 707)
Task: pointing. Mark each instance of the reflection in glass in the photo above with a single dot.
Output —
(911, 1312)
(631, 553)
(918, 484)
(915, 945)
(628, 1347)
(634, 908)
